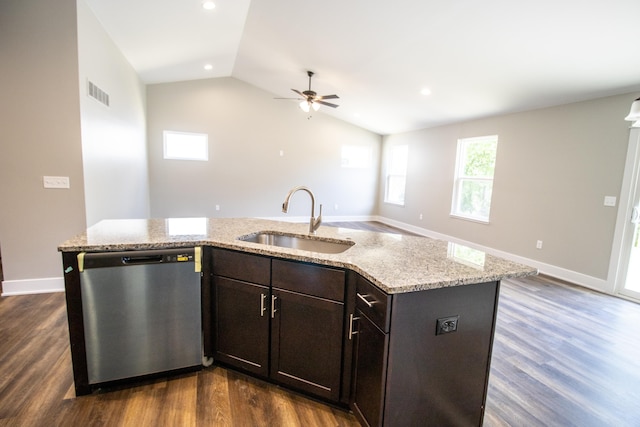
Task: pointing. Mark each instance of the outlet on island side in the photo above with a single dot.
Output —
(445, 325)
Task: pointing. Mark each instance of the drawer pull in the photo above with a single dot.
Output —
(351, 331)
(363, 298)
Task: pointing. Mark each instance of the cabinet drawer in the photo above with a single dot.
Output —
(242, 266)
(323, 282)
(373, 303)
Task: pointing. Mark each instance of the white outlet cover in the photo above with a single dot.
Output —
(610, 201)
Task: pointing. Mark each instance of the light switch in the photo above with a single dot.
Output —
(55, 181)
(609, 200)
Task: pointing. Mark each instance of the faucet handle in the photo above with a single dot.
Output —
(315, 222)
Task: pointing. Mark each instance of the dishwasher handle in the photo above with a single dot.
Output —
(143, 259)
(90, 260)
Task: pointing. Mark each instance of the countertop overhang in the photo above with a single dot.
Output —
(395, 263)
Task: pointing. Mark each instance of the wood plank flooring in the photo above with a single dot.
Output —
(563, 356)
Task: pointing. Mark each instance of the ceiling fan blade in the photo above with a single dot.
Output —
(299, 99)
(299, 93)
(327, 97)
(328, 104)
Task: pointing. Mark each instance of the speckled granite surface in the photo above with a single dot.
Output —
(394, 263)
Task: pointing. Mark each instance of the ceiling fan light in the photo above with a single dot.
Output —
(304, 105)
(208, 5)
(634, 113)
(315, 106)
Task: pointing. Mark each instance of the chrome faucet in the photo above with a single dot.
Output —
(314, 222)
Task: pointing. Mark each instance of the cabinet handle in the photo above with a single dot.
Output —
(262, 307)
(362, 297)
(351, 331)
(273, 306)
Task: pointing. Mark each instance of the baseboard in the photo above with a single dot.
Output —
(32, 286)
(584, 280)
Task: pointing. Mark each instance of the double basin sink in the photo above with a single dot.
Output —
(298, 241)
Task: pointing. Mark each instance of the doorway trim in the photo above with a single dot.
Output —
(620, 249)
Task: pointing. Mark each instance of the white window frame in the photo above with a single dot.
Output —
(460, 179)
(199, 149)
(396, 170)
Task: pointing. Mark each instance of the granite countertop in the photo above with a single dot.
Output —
(394, 263)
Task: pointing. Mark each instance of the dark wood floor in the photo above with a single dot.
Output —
(563, 356)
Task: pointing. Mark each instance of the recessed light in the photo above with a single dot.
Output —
(425, 91)
(208, 67)
(208, 4)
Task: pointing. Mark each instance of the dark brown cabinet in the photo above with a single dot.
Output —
(280, 319)
(411, 367)
(370, 371)
(240, 310)
(306, 329)
(412, 359)
(370, 352)
(306, 343)
(241, 324)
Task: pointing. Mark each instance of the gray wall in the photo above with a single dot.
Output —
(114, 146)
(245, 174)
(554, 168)
(40, 122)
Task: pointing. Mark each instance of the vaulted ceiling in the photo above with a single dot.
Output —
(476, 58)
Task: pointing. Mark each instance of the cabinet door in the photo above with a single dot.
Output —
(241, 324)
(369, 369)
(306, 343)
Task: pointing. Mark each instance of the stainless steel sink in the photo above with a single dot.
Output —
(299, 241)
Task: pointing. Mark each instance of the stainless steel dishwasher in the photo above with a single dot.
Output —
(141, 312)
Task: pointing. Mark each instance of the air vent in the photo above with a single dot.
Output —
(96, 93)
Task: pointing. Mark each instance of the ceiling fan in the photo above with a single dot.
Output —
(311, 99)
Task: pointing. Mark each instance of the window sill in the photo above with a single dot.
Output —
(470, 218)
(386, 202)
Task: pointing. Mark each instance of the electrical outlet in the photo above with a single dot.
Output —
(55, 181)
(217, 207)
(539, 244)
(420, 216)
(610, 201)
(445, 325)
(335, 207)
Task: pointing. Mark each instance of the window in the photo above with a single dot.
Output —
(354, 156)
(186, 146)
(396, 177)
(473, 182)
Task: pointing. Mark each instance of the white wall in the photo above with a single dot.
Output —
(114, 145)
(554, 168)
(40, 123)
(245, 174)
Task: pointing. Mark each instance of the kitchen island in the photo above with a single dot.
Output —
(408, 321)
